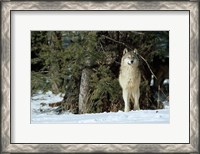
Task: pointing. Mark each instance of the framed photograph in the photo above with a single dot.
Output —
(100, 76)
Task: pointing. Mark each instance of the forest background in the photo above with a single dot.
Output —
(85, 66)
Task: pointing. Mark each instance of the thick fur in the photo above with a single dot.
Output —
(129, 79)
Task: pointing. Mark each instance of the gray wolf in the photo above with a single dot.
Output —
(130, 78)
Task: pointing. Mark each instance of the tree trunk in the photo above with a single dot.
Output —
(84, 90)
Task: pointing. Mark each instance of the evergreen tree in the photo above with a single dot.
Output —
(85, 65)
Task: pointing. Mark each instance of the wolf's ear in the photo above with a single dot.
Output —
(135, 51)
(125, 51)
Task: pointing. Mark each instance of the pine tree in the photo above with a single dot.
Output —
(85, 65)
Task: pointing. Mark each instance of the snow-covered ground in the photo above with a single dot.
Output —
(42, 113)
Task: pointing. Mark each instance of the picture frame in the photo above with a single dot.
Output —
(7, 7)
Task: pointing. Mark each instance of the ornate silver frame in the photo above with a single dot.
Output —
(192, 6)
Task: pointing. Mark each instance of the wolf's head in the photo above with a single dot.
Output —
(130, 57)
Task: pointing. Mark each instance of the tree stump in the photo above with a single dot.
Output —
(84, 90)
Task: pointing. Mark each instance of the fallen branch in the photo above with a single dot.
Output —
(55, 104)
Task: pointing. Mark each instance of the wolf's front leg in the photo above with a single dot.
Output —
(126, 101)
(136, 103)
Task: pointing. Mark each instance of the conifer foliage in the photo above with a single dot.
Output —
(85, 66)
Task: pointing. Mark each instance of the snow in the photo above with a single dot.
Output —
(166, 81)
(41, 113)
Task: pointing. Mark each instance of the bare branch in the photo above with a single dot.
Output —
(135, 52)
(148, 66)
(117, 42)
(101, 46)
